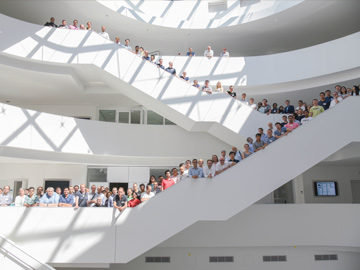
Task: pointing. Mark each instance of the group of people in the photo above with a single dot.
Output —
(80, 196)
(326, 100)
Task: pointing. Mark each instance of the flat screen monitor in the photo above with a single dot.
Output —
(326, 188)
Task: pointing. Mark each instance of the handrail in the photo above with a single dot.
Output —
(14, 256)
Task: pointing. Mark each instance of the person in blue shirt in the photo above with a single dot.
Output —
(183, 76)
(323, 102)
(264, 137)
(146, 56)
(160, 64)
(280, 131)
(271, 138)
(49, 199)
(127, 45)
(66, 200)
(195, 171)
(250, 143)
(328, 97)
(196, 84)
(190, 52)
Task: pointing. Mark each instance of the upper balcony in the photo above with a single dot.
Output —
(85, 57)
(305, 23)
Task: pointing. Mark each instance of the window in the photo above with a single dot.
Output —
(135, 117)
(107, 116)
(154, 119)
(124, 117)
(168, 122)
(96, 175)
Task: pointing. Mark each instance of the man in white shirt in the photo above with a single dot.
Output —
(148, 194)
(187, 166)
(209, 170)
(252, 104)
(182, 174)
(117, 41)
(337, 99)
(243, 99)
(94, 195)
(222, 166)
(209, 53)
(301, 106)
(223, 154)
(175, 175)
(103, 33)
(207, 88)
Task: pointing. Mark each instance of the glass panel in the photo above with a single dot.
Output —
(107, 115)
(168, 122)
(124, 117)
(154, 119)
(96, 175)
(135, 117)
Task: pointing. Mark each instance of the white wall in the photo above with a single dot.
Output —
(47, 132)
(66, 110)
(61, 236)
(37, 173)
(197, 258)
(341, 174)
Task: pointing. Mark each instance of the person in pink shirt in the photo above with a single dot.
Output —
(291, 125)
(167, 181)
(74, 26)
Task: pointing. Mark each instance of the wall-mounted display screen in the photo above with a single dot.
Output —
(325, 188)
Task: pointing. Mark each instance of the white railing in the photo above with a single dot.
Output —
(20, 257)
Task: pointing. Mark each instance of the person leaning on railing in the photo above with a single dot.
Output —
(81, 197)
(49, 199)
(6, 198)
(32, 199)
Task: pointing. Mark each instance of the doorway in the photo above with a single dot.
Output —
(56, 183)
(117, 185)
(355, 189)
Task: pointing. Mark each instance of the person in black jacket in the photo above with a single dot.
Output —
(51, 23)
(288, 108)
